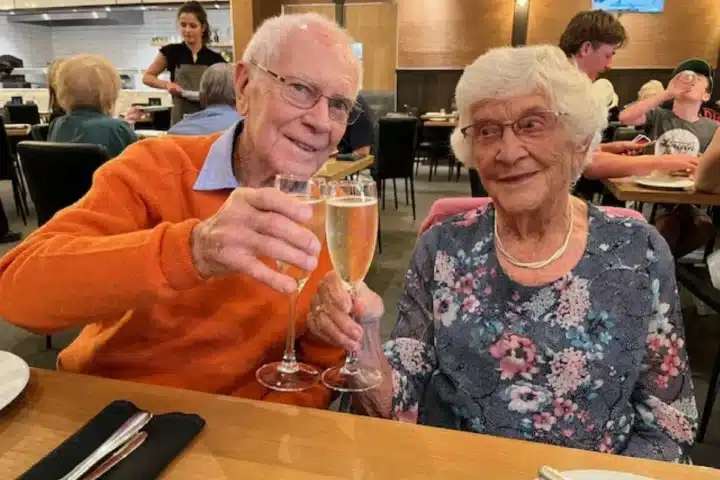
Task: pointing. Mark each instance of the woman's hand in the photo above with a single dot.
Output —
(255, 223)
(682, 162)
(173, 88)
(332, 311)
(133, 114)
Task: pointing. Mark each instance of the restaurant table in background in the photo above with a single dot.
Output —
(150, 133)
(440, 123)
(261, 440)
(335, 169)
(17, 129)
(626, 190)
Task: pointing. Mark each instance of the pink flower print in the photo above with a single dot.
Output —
(574, 304)
(568, 432)
(444, 269)
(564, 408)
(471, 304)
(445, 307)
(606, 445)
(471, 217)
(583, 415)
(488, 291)
(408, 416)
(480, 271)
(661, 381)
(655, 342)
(671, 420)
(568, 371)
(671, 365)
(590, 427)
(493, 272)
(544, 421)
(525, 397)
(517, 356)
(466, 284)
(410, 355)
(516, 296)
(674, 344)
(562, 283)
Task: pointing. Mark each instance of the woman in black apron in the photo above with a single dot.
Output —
(186, 61)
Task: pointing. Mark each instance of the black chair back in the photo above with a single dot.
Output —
(6, 154)
(26, 113)
(40, 132)
(161, 120)
(58, 174)
(397, 142)
(625, 134)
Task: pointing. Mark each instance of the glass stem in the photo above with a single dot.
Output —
(289, 361)
(351, 360)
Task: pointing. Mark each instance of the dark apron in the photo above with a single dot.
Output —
(188, 77)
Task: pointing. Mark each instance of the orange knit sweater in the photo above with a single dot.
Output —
(118, 262)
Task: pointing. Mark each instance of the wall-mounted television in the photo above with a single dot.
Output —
(640, 6)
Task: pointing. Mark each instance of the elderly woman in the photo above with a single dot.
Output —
(87, 88)
(538, 317)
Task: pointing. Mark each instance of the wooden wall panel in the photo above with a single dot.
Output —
(685, 29)
(375, 26)
(327, 10)
(451, 33)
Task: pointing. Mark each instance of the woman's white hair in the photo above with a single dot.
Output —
(271, 36)
(508, 72)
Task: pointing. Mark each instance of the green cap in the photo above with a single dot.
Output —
(698, 66)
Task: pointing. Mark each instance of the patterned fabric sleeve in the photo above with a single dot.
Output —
(410, 351)
(666, 414)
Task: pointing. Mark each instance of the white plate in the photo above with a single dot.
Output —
(679, 183)
(154, 108)
(150, 133)
(14, 376)
(601, 475)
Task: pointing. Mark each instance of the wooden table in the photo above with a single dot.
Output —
(438, 123)
(258, 440)
(17, 129)
(626, 190)
(335, 169)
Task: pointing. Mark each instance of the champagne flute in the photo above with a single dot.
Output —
(351, 224)
(289, 375)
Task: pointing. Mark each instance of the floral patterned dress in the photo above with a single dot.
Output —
(595, 360)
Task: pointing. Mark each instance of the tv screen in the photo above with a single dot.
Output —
(645, 6)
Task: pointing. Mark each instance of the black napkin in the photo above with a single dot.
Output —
(168, 435)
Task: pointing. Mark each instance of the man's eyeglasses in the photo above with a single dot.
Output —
(531, 126)
(305, 95)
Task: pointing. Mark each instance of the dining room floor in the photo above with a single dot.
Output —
(399, 234)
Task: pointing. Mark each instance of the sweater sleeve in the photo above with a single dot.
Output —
(102, 256)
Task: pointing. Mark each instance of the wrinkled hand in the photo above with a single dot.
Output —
(255, 223)
(678, 162)
(624, 147)
(332, 309)
(173, 88)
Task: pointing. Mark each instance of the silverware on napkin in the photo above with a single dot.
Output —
(128, 429)
(117, 457)
(547, 473)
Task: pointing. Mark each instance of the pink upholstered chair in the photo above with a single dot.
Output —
(446, 207)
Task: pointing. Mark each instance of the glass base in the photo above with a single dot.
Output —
(360, 379)
(272, 376)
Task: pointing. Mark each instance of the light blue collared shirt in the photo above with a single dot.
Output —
(217, 171)
(212, 119)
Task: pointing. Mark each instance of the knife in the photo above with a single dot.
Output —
(133, 425)
(117, 457)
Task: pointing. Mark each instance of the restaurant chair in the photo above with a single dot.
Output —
(625, 134)
(435, 143)
(395, 158)
(10, 170)
(58, 175)
(40, 132)
(161, 119)
(25, 113)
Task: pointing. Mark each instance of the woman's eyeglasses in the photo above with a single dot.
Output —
(305, 95)
(533, 125)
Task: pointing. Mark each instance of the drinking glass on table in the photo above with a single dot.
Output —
(351, 229)
(289, 375)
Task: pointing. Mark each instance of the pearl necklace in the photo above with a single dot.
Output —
(543, 263)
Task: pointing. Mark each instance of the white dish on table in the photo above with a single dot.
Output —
(665, 183)
(14, 377)
(150, 133)
(600, 475)
(154, 108)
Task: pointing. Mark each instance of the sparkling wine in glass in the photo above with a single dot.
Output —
(289, 375)
(351, 229)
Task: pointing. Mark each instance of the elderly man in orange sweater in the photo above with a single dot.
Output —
(168, 261)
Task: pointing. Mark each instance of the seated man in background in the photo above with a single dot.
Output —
(170, 261)
(87, 88)
(360, 136)
(217, 96)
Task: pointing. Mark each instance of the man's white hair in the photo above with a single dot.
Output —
(272, 35)
(508, 72)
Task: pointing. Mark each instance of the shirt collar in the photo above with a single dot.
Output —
(217, 171)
